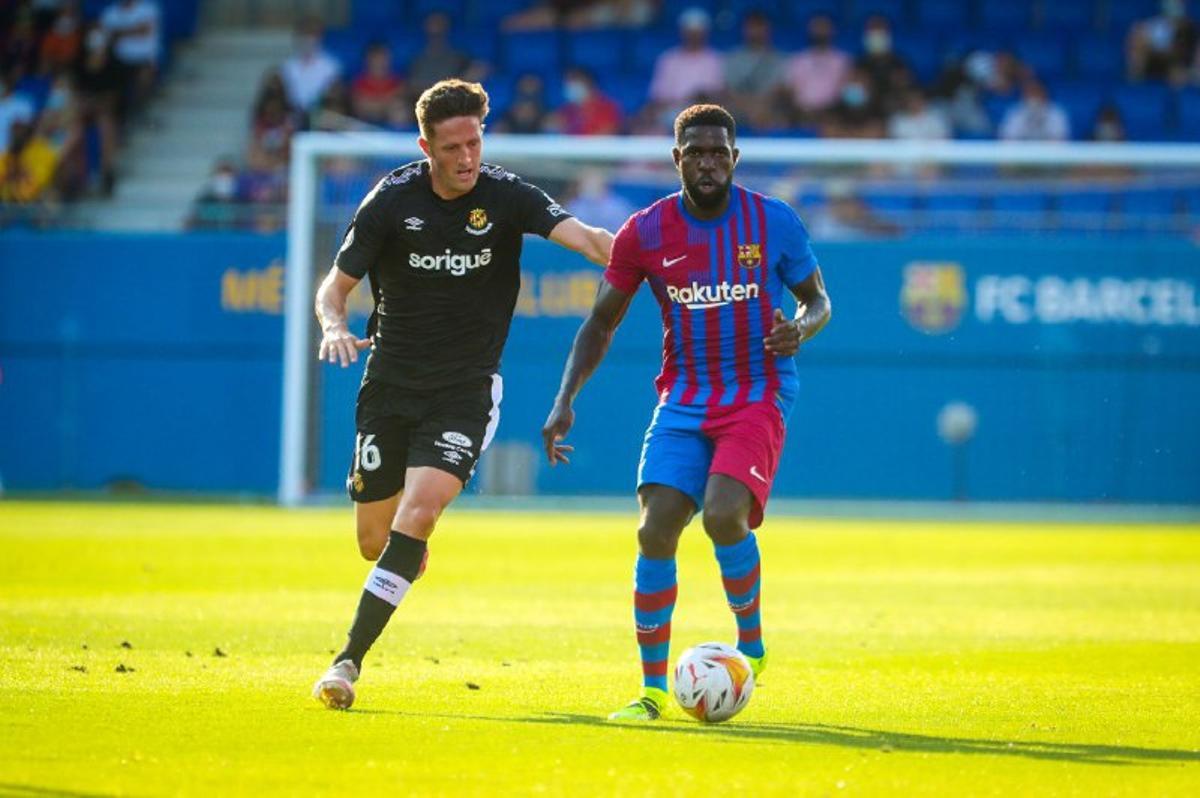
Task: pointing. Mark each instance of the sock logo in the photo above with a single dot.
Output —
(386, 585)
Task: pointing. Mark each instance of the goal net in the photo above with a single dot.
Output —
(938, 203)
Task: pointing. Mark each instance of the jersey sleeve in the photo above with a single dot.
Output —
(537, 211)
(365, 237)
(624, 271)
(798, 260)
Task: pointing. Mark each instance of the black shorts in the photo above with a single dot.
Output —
(400, 428)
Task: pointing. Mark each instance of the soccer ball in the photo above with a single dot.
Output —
(713, 682)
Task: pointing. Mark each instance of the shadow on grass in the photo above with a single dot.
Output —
(853, 737)
(30, 791)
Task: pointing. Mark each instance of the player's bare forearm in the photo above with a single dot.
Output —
(594, 243)
(814, 308)
(591, 345)
(338, 344)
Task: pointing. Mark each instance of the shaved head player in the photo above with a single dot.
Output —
(719, 259)
(440, 242)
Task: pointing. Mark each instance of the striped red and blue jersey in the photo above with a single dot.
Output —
(717, 284)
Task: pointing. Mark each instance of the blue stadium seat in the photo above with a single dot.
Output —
(953, 203)
(348, 46)
(1144, 109)
(405, 46)
(376, 16)
(997, 107)
(1045, 54)
(801, 11)
(1150, 203)
(943, 15)
(456, 9)
(1081, 101)
(477, 42)
(629, 91)
(896, 11)
(531, 51)
(488, 13)
(1019, 202)
(1007, 15)
(1070, 16)
(647, 47)
(1084, 202)
(924, 54)
(1121, 14)
(889, 202)
(1099, 58)
(1188, 113)
(601, 51)
(1191, 200)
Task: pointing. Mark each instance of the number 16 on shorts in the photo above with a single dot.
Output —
(366, 454)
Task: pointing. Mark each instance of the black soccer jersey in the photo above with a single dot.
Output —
(444, 273)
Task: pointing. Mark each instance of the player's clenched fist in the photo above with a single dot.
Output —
(339, 345)
(784, 339)
(558, 423)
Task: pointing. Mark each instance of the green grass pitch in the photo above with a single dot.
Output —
(907, 658)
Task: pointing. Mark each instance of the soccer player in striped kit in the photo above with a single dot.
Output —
(719, 259)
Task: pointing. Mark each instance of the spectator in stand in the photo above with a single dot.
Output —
(133, 28)
(581, 14)
(917, 120)
(999, 73)
(335, 111)
(588, 111)
(439, 59)
(1108, 126)
(378, 87)
(217, 206)
(883, 67)
(271, 136)
(527, 113)
(309, 71)
(959, 98)
(98, 85)
(753, 74)
(27, 165)
(15, 107)
(690, 71)
(59, 124)
(846, 217)
(19, 53)
(814, 77)
(1035, 118)
(1161, 47)
(858, 114)
(62, 43)
(595, 202)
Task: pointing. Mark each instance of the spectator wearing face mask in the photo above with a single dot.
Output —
(588, 111)
(814, 77)
(880, 63)
(1035, 118)
(1109, 126)
(1161, 47)
(858, 113)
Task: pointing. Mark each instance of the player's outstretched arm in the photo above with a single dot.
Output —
(594, 243)
(338, 344)
(812, 312)
(591, 344)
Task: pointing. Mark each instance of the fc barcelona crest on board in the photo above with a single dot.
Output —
(933, 296)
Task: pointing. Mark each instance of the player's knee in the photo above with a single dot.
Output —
(417, 519)
(656, 541)
(725, 523)
(372, 537)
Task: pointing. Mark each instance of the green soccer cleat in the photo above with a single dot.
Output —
(649, 707)
(757, 664)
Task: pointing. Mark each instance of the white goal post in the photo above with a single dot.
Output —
(309, 148)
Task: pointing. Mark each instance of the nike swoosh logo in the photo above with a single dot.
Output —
(669, 263)
(754, 473)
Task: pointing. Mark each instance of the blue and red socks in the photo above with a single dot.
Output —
(654, 592)
(740, 573)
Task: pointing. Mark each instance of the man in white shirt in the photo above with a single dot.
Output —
(14, 108)
(1035, 118)
(309, 71)
(917, 121)
(134, 29)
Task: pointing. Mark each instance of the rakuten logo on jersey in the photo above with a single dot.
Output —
(698, 297)
(458, 265)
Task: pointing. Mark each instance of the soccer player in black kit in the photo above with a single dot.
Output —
(440, 242)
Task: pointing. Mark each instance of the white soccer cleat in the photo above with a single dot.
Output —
(336, 688)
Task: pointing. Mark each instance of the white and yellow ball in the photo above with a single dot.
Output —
(713, 682)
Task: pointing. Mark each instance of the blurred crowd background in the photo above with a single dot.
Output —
(90, 93)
